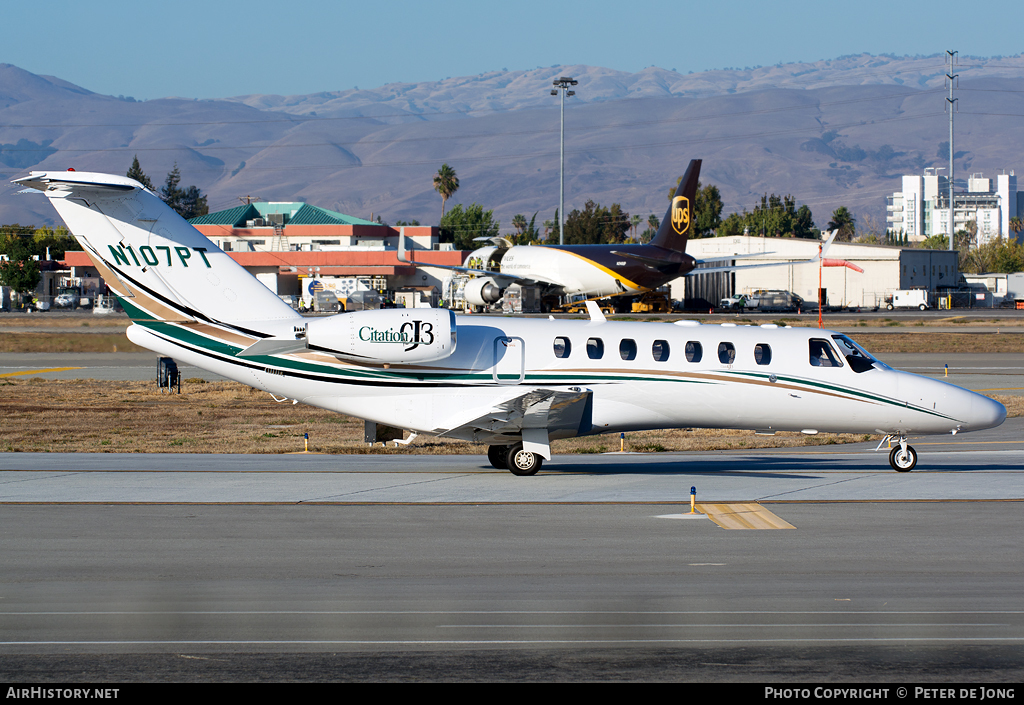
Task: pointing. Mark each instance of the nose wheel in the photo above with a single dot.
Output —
(903, 458)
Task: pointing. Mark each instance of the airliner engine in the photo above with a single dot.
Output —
(482, 291)
(400, 336)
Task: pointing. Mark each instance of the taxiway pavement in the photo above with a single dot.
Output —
(142, 567)
(986, 465)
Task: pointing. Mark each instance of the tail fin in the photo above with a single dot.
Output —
(677, 224)
(162, 268)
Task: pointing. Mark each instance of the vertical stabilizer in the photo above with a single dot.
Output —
(677, 224)
(162, 268)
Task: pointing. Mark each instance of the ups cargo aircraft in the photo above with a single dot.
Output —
(515, 384)
(596, 271)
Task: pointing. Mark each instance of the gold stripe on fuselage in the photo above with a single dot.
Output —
(613, 274)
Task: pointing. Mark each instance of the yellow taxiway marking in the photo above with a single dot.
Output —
(1001, 389)
(37, 372)
(733, 515)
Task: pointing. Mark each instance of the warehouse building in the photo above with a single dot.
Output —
(885, 270)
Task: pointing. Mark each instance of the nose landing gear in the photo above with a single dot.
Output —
(903, 457)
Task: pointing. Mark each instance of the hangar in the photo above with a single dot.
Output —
(885, 269)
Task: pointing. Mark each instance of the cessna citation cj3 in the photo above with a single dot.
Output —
(515, 384)
(596, 271)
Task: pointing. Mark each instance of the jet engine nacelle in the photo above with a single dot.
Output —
(482, 291)
(396, 335)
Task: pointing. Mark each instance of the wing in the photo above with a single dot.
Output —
(733, 268)
(533, 414)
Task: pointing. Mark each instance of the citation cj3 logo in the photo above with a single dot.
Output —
(681, 214)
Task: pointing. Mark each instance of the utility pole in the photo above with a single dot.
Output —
(562, 87)
(951, 104)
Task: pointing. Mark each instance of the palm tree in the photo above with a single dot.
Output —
(633, 222)
(446, 183)
(844, 222)
(519, 223)
(1016, 225)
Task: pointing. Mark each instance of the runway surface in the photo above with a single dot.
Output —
(309, 567)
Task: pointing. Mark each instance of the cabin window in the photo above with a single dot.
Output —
(562, 347)
(694, 351)
(660, 350)
(627, 349)
(595, 348)
(762, 354)
(726, 353)
(822, 354)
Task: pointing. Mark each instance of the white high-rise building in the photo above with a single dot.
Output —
(921, 209)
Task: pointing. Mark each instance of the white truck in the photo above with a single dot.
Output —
(908, 298)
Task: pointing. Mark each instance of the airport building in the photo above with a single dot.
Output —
(885, 269)
(297, 249)
(921, 209)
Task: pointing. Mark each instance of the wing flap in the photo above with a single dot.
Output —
(526, 414)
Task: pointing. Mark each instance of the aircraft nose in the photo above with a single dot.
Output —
(985, 412)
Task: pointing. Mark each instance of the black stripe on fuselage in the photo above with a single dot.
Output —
(286, 372)
(198, 315)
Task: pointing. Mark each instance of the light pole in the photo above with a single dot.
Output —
(562, 87)
(952, 78)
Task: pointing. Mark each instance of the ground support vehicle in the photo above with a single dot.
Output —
(908, 298)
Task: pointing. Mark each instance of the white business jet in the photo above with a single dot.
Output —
(515, 384)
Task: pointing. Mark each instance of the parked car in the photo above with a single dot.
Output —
(66, 298)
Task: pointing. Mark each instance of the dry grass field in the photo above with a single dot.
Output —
(225, 417)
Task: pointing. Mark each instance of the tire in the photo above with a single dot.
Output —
(923, 307)
(498, 457)
(522, 462)
(903, 462)
(888, 307)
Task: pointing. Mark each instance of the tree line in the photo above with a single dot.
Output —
(188, 202)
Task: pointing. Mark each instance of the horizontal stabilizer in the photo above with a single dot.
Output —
(72, 180)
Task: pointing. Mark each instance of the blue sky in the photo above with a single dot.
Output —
(218, 48)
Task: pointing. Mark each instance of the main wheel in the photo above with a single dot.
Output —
(522, 462)
(903, 461)
(498, 457)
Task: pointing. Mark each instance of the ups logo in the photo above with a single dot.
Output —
(681, 214)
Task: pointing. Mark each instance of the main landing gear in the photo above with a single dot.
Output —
(515, 459)
(902, 457)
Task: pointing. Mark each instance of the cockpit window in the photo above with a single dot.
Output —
(860, 359)
(822, 354)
